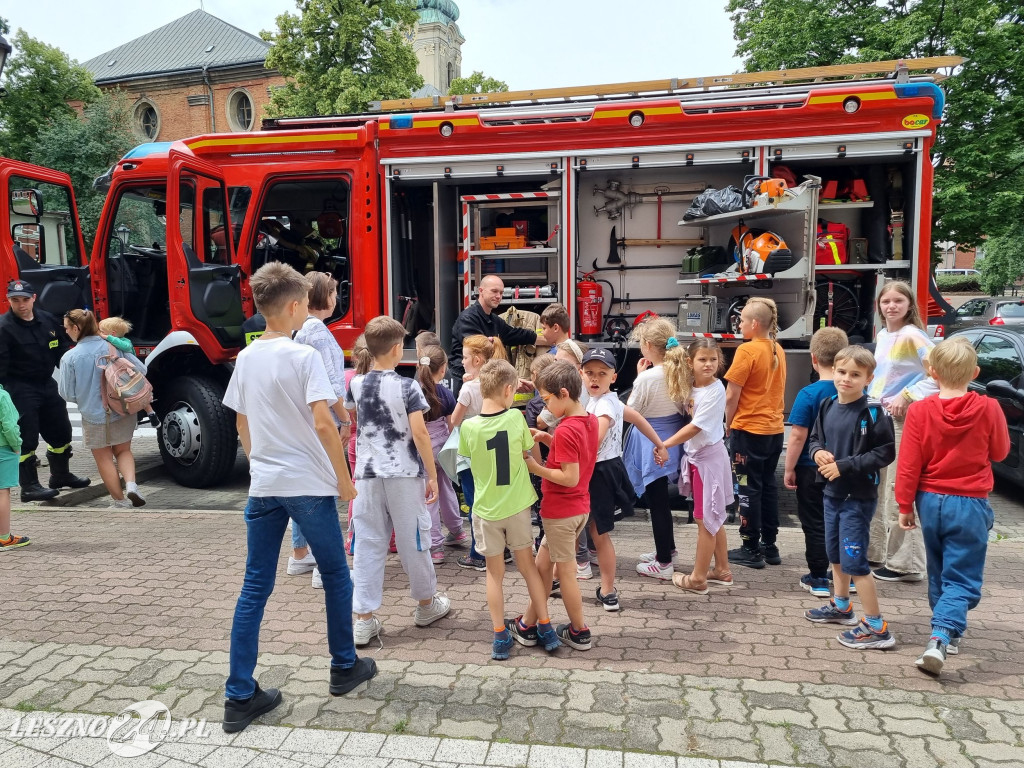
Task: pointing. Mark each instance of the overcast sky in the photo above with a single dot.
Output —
(527, 43)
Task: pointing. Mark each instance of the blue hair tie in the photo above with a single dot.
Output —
(672, 342)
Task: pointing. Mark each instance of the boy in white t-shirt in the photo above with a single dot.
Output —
(282, 395)
(609, 485)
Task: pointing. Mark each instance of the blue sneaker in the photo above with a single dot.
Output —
(548, 639)
(502, 646)
(817, 587)
(829, 614)
(863, 636)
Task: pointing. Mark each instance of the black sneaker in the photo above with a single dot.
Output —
(526, 637)
(887, 574)
(344, 680)
(771, 555)
(475, 563)
(508, 557)
(238, 714)
(578, 640)
(154, 420)
(747, 557)
(609, 601)
(556, 589)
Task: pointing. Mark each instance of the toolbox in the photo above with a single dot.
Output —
(504, 238)
(701, 314)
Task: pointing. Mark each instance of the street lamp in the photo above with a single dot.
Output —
(123, 233)
(5, 51)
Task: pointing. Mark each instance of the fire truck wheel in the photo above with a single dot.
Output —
(198, 440)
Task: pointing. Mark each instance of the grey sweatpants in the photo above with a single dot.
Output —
(386, 503)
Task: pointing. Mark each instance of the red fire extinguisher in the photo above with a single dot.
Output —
(589, 301)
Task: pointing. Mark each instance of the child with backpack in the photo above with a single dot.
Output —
(851, 442)
(115, 330)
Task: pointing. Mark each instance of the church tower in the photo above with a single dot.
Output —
(438, 44)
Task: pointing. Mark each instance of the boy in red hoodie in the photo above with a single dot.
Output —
(945, 466)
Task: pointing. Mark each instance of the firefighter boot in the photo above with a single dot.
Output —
(60, 471)
(28, 478)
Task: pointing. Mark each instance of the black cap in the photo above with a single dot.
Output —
(601, 355)
(20, 288)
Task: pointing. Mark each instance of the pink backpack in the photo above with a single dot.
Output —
(124, 388)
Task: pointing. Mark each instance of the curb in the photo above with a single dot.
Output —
(78, 496)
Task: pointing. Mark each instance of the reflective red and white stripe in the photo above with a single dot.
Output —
(467, 263)
(507, 196)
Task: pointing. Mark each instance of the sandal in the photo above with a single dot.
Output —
(725, 580)
(685, 582)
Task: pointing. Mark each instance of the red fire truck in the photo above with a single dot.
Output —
(559, 193)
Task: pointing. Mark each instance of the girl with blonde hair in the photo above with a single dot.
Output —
(660, 373)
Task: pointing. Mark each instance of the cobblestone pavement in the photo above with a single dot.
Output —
(109, 608)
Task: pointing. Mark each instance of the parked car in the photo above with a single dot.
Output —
(1001, 362)
(989, 311)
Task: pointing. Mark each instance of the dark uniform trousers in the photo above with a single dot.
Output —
(43, 412)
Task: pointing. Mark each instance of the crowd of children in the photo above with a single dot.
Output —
(844, 459)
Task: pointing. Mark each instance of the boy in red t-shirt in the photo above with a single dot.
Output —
(564, 507)
(945, 466)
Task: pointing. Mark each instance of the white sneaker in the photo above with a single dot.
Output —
(364, 630)
(303, 565)
(650, 557)
(120, 504)
(428, 614)
(655, 570)
(584, 571)
(132, 492)
(318, 582)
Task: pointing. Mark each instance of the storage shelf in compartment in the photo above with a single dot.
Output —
(794, 205)
(522, 275)
(823, 206)
(890, 264)
(795, 331)
(796, 272)
(516, 253)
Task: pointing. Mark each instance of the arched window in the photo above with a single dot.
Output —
(451, 73)
(146, 120)
(241, 114)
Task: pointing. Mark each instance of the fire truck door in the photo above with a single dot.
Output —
(40, 240)
(204, 282)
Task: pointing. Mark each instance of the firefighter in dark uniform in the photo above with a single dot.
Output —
(32, 343)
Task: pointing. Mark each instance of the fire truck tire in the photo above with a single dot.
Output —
(197, 438)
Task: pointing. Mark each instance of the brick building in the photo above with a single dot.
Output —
(199, 74)
(195, 75)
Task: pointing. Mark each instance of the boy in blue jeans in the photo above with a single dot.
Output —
(945, 467)
(282, 396)
(851, 441)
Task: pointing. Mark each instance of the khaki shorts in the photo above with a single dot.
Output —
(492, 536)
(560, 534)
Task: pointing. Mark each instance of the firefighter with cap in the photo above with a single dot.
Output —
(32, 343)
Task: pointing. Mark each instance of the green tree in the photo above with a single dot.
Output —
(979, 181)
(85, 146)
(1003, 264)
(477, 83)
(40, 81)
(339, 55)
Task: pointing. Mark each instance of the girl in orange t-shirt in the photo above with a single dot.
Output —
(754, 412)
